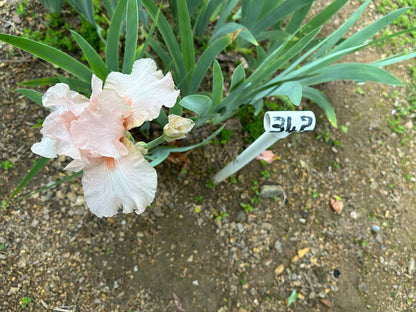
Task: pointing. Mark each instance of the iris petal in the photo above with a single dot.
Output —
(128, 183)
(145, 90)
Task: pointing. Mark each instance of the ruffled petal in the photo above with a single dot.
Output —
(56, 127)
(129, 183)
(145, 90)
(97, 88)
(61, 99)
(99, 132)
(45, 148)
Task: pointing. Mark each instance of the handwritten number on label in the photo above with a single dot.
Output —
(289, 125)
(280, 122)
(309, 122)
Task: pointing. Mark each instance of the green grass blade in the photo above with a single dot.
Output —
(238, 77)
(312, 67)
(217, 84)
(171, 43)
(176, 109)
(164, 56)
(132, 28)
(110, 6)
(205, 14)
(279, 58)
(193, 5)
(250, 12)
(197, 103)
(33, 95)
(51, 55)
(47, 187)
(369, 31)
(232, 27)
(186, 35)
(323, 16)
(142, 50)
(322, 101)
(39, 82)
(96, 62)
(36, 168)
(53, 6)
(291, 89)
(206, 59)
(352, 71)
(297, 19)
(85, 8)
(162, 152)
(226, 10)
(281, 11)
(400, 57)
(332, 39)
(162, 119)
(113, 37)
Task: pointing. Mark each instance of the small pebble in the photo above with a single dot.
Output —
(295, 259)
(303, 252)
(278, 247)
(337, 273)
(375, 229)
(279, 270)
(302, 220)
(270, 191)
(411, 268)
(312, 295)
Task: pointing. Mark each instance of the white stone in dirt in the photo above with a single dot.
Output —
(411, 268)
(375, 229)
(278, 247)
(270, 191)
(240, 227)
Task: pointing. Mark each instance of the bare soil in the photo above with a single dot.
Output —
(178, 256)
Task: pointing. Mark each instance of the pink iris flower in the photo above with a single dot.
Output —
(92, 132)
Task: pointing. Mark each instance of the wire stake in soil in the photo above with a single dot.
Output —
(277, 125)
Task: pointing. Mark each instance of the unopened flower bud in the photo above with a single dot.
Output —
(141, 147)
(177, 127)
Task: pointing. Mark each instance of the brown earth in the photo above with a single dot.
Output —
(178, 256)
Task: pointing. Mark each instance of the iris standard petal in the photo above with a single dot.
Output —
(145, 90)
(60, 98)
(99, 132)
(128, 183)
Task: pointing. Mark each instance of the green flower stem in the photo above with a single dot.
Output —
(155, 142)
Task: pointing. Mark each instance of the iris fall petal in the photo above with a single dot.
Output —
(128, 183)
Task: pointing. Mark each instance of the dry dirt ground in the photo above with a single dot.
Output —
(57, 256)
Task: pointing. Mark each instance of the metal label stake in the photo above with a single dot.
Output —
(277, 125)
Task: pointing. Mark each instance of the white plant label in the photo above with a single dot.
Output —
(277, 125)
(288, 121)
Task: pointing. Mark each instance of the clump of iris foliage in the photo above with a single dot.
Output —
(287, 54)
